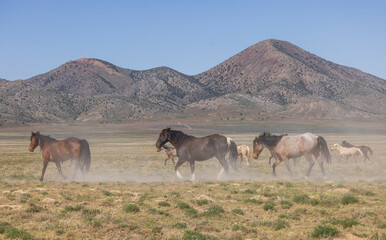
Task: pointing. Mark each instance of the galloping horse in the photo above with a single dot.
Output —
(59, 151)
(363, 148)
(191, 149)
(348, 152)
(286, 147)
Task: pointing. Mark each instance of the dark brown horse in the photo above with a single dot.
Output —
(59, 151)
(191, 149)
(286, 147)
(363, 148)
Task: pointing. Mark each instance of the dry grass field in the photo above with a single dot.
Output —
(130, 194)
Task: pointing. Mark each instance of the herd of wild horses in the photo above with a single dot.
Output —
(190, 149)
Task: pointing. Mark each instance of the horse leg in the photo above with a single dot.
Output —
(45, 163)
(59, 167)
(295, 160)
(75, 169)
(288, 166)
(225, 167)
(247, 159)
(179, 163)
(310, 165)
(320, 162)
(165, 161)
(173, 161)
(277, 162)
(192, 168)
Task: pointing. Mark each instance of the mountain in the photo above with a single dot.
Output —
(271, 79)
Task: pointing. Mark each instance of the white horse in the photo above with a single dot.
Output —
(243, 151)
(348, 152)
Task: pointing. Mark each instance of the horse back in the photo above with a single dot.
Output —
(63, 149)
(296, 146)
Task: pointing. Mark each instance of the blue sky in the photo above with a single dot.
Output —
(188, 36)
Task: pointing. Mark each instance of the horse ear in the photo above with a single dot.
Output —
(168, 129)
(38, 133)
(255, 138)
(32, 133)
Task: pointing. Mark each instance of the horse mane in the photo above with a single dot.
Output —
(45, 139)
(269, 139)
(178, 137)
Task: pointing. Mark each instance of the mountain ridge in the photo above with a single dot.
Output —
(270, 73)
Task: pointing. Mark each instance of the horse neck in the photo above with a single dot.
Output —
(177, 138)
(45, 140)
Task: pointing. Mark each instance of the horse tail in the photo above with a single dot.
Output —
(85, 155)
(232, 153)
(322, 144)
(371, 151)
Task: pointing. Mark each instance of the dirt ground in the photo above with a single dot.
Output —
(130, 194)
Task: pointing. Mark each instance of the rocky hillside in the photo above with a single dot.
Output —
(272, 79)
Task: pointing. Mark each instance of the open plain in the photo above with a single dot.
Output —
(130, 194)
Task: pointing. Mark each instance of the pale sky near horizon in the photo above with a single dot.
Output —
(188, 36)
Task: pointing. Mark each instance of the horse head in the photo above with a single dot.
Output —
(257, 148)
(162, 139)
(34, 141)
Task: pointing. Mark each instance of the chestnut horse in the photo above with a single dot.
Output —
(286, 147)
(191, 149)
(59, 151)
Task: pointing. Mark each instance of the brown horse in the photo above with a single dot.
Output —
(170, 153)
(363, 148)
(286, 147)
(59, 151)
(191, 149)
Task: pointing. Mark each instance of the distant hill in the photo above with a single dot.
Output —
(271, 79)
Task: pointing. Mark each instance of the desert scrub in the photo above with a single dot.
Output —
(269, 205)
(238, 211)
(286, 204)
(347, 199)
(212, 211)
(131, 208)
(254, 200)
(107, 193)
(73, 209)
(280, 224)
(180, 225)
(381, 226)
(183, 205)
(33, 208)
(201, 202)
(346, 223)
(303, 198)
(164, 204)
(324, 231)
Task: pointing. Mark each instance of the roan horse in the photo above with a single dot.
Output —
(59, 151)
(363, 148)
(191, 149)
(286, 147)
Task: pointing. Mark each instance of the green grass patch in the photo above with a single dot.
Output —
(131, 208)
(303, 198)
(214, 210)
(191, 212)
(286, 204)
(73, 209)
(238, 211)
(183, 205)
(164, 204)
(381, 226)
(269, 205)
(255, 201)
(346, 223)
(180, 225)
(324, 231)
(348, 199)
(33, 208)
(201, 202)
(280, 224)
(107, 193)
